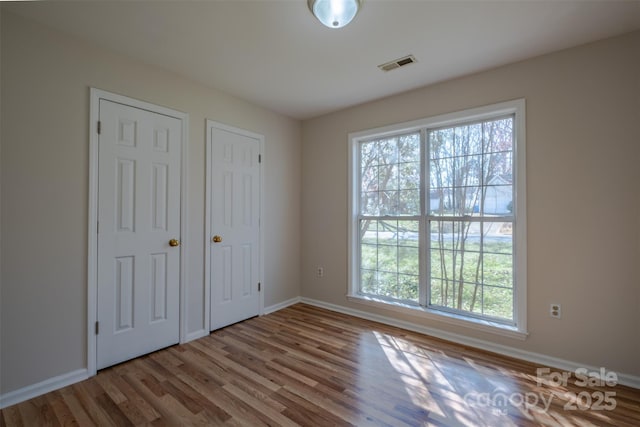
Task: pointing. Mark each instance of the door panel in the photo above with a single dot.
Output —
(138, 214)
(235, 218)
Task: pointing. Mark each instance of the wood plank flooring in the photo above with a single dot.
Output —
(312, 367)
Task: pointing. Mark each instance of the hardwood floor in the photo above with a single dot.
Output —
(308, 366)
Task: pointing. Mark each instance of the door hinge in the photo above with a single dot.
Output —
(99, 127)
(259, 286)
(259, 158)
(97, 328)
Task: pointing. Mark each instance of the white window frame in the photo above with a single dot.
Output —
(518, 329)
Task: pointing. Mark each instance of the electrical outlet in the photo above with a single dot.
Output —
(320, 272)
(555, 310)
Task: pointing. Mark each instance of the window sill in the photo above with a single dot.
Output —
(441, 316)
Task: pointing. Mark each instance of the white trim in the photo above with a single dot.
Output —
(353, 186)
(37, 389)
(92, 252)
(520, 226)
(60, 381)
(210, 124)
(92, 247)
(477, 324)
(516, 107)
(542, 359)
(200, 333)
(471, 114)
(206, 319)
(184, 229)
(284, 304)
(262, 222)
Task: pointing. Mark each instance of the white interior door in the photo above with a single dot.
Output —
(139, 158)
(235, 226)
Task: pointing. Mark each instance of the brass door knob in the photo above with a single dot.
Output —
(217, 239)
(174, 242)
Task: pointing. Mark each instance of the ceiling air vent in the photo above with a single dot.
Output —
(397, 63)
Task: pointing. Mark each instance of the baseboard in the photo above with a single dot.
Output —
(541, 359)
(195, 335)
(42, 387)
(281, 305)
(34, 390)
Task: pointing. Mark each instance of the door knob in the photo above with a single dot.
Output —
(217, 239)
(174, 242)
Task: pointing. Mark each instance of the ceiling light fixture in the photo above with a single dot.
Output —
(334, 13)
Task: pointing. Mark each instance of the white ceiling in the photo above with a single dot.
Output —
(275, 54)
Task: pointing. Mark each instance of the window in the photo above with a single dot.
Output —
(437, 217)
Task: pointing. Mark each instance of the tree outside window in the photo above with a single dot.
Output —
(436, 217)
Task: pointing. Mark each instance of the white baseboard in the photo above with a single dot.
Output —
(195, 335)
(543, 360)
(42, 387)
(281, 305)
(34, 390)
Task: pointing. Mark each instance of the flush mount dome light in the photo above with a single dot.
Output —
(334, 13)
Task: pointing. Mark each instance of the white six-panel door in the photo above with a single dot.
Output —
(138, 232)
(234, 225)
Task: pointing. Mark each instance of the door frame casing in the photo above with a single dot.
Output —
(92, 257)
(207, 223)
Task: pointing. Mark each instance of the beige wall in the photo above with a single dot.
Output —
(583, 200)
(583, 177)
(45, 94)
